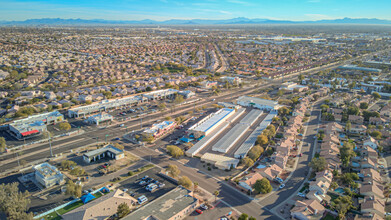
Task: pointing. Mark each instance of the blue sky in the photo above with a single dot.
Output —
(297, 10)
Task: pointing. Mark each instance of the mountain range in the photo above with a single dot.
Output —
(239, 20)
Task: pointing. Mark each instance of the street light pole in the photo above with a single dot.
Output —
(50, 144)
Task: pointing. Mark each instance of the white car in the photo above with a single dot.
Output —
(204, 206)
(282, 186)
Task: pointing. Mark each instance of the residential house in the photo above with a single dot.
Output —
(373, 204)
(307, 209)
(249, 180)
(356, 119)
(372, 190)
(270, 172)
(370, 142)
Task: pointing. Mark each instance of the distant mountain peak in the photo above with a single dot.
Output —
(237, 20)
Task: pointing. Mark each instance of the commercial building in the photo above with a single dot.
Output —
(230, 138)
(186, 94)
(104, 106)
(34, 125)
(291, 86)
(355, 67)
(174, 205)
(242, 151)
(259, 103)
(221, 162)
(48, 175)
(160, 94)
(212, 121)
(251, 117)
(99, 118)
(196, 148)
(157, 130)
(101, 208)
(231, 80)
(107, 151)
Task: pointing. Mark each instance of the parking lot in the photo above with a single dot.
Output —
(220, 211)
(134, 189)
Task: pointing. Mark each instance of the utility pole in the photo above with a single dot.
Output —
(50, 144)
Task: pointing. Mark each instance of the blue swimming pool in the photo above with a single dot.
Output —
(339, 190)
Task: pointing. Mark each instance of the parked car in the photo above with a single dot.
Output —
(145, 177)
(199, 211)
(282, 186)
(205, 207)
(301, 194)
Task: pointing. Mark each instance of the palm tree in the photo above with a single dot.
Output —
(216, 193)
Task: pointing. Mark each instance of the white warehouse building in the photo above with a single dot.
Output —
(259, 103)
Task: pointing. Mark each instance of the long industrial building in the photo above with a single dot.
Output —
(242, 151)
(259, 103)
(230, 139)
(213, 133)
(105, 105)
(251, 117)
(212, 121)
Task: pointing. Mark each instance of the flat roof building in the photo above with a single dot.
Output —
(221, 162)
(230, 138)
(259, 103)
(159, 129)
(242, 151)
(107, 151)
(34, 124)
(355, 67)
(251, 117)
(209, 123)
(99, 118)
(174, 205)
(48, 175)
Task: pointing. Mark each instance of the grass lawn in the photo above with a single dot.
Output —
(70, 207)
(52, 216)
(328, 217)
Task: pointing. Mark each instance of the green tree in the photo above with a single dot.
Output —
(173, 170)
(252, 218)
(263, 186)
(2, 144)
(283, 111)
(262, 139)
(73, 189)
(68, 164)
(348, 126)
(318, 164)
(376, 95)
(178, 99)
(162, 106)
(64, 126)
(174, 151)
(301, 77)
(185, 182)
(346, 153)
(14, 203)
(243, 216)
(342, 205)
(376, 134)
(333, 185)
(216, 193)
(123, 210)
(363, 105)
(247, 162)
(255, 152)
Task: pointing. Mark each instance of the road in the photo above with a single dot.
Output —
(42, 151)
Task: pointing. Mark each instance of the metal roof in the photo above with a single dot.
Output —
(229, 139)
